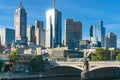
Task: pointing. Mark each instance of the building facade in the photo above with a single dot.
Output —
(98, 31)
(53, 28)
(20, 23)
(39, 33)
(111, 41)
(84, 44)
(31, 34)
(7, 36)
(2, 48)
(73, 32)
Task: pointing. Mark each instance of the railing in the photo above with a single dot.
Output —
(92, 64)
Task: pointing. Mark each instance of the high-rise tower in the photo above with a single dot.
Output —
(7, 36)
(20, 23)
(73, 33)
(53, 27)
(39, 33)
(111, 41)
(97, 32)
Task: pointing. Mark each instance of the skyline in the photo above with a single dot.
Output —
(84, 11)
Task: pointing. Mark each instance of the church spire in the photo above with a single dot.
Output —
(54, 4)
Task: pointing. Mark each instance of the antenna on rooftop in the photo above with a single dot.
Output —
(21, 3)
(54, 4)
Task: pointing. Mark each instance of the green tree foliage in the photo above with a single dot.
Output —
(118, 57)
(2, 64)
(115, 54)
(101, 55)
(36, 64)
(13, 56)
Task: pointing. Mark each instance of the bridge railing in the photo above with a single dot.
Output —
(92, 64)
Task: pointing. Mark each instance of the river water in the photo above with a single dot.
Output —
(68, 78)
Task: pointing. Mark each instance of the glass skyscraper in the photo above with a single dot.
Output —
(7, 36)
(53, 28)
(98, 31)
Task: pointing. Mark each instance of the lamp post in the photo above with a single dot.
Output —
(92, 47)
(111, 54)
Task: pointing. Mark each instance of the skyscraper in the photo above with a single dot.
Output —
(20, 23)
(53, 28)
(97, 31)
(39, 33)
(111, 41)
(7, 36)
(73, 32)
(2, 48)
(31, 34)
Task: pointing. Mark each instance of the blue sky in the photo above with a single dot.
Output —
(86, 11)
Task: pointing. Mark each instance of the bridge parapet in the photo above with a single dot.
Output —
(80, 65)
(100, 64)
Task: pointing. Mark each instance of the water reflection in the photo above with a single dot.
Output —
(67, 78)
(75, 77)
(60, 78)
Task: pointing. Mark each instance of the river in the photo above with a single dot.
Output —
(67, 78)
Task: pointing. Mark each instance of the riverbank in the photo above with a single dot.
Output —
(30, 76)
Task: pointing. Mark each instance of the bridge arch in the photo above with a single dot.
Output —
(102, 67)
(65, 70)
(66, 64)
(69, 66)
(105, 72)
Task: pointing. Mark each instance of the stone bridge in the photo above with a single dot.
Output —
(80, 65)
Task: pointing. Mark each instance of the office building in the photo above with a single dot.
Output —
(42, 38)
(39, 24)
(20, 23)
(73, 33)
(97, 31)
(39, 33)
(111, 41)
(31, 34)
(53, 28)
(2, 48)
(84, 44)
(7, 36)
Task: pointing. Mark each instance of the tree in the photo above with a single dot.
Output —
(118, 57)
(13, 56)
(101, 55)
(36, 63)
(2, 64)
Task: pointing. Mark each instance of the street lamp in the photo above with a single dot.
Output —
(92, 47)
